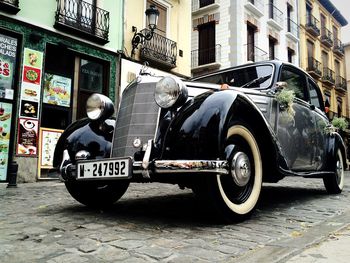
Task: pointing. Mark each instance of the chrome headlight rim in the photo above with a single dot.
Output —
(99, 107)
(170, 92)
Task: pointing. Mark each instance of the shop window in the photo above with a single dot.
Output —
(92, 79)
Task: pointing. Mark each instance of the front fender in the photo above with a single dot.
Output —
(334, 142)
(83, 135)
(199, 130)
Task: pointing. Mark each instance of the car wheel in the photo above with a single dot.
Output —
(97, 194)
(334, 184)
(234, 196)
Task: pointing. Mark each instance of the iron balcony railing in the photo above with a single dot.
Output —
(11, 6)
(159, 50)
(338, 47)
(83, 18)
(275, 14)
(255, 54)
(328, 75)
(314, 67)
(197, 4)
(292, 27)
(312, 25)
(326, 37)
(340, 83)
(206, 56)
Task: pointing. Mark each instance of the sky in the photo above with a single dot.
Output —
(343, 7)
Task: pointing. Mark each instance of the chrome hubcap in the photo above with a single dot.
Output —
(240, 169)
(339, 171)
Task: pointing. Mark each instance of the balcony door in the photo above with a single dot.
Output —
(203, 3)
(81, 14)
(250, 43)
(162, 19)
(206, 52)
(310, 54)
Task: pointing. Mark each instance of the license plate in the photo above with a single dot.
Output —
(104, 169)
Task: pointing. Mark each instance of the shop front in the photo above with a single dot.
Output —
(55, 75)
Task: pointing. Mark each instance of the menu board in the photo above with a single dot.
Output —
(27, 137)
(5, 126)
(57, 90)
(31, 83)
(8, 48)
(48, 141)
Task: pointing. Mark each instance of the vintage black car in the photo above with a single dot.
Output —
(221, 134)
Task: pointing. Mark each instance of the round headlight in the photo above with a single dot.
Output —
(99, 106)
(170, 92)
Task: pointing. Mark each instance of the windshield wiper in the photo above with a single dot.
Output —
(256, 81)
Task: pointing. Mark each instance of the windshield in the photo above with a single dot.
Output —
(258, 76)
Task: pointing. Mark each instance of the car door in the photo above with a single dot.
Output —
(297, 135)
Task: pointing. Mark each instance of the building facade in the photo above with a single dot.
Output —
(227, 33)
(169, 48)
(347, 73)
(53, 55)
(322, 52)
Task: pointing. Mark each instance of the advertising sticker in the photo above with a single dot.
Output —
(48, 141)
(5, 126)
(27, 137)
(57, 90)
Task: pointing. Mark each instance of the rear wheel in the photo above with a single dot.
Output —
(97, 194)
(334, 184)
(235, 195)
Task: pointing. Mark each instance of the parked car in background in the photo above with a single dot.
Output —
(222, 135)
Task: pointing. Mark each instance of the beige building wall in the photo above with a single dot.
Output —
(178, 29)
(335, 92)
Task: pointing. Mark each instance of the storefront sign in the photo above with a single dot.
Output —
(48, 141)
(8, 47)
(27, 137)
(31, 80)
(57, 90)
(5, 127)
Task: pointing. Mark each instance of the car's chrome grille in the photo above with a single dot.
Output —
(137, 118)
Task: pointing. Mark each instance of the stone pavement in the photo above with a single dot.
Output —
(40, 222)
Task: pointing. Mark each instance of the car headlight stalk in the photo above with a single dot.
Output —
(170, 92)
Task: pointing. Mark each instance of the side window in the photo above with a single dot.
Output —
(295, 80)
(314, 95)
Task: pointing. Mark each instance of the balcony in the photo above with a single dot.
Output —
(255, 54)
(292, 30)
(159, 51)
(338, 47)
(82, 19)
(328, 76)
(312, 25)
(340, 84)
(255, 6)
(326, 37)
(314, 67)
(204, 6)
(9, 6)
(275, 17)
(206, 59)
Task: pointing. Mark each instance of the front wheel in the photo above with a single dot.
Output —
(334, 184)
(235, 195)
(97, 194)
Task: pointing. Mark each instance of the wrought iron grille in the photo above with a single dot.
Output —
(255, 54)
(257, 3)
(326, 35)
(84, 17)
(338, 46)
(206, 56)
(292, 27)
(197, 4)
(314, 66)
(313, 23)
(11, 2)
(159, 49)
(328, 75)
(275, 14)
(340, 83)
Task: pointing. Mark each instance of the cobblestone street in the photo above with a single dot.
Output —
(40, 222)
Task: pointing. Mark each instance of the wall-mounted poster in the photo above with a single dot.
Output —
(31, 75)
(27, 137)
(29, 109)
(30, 92)
(47, 140)
(57, 90)
(33, 58)
(5, 128)
(7, 65)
